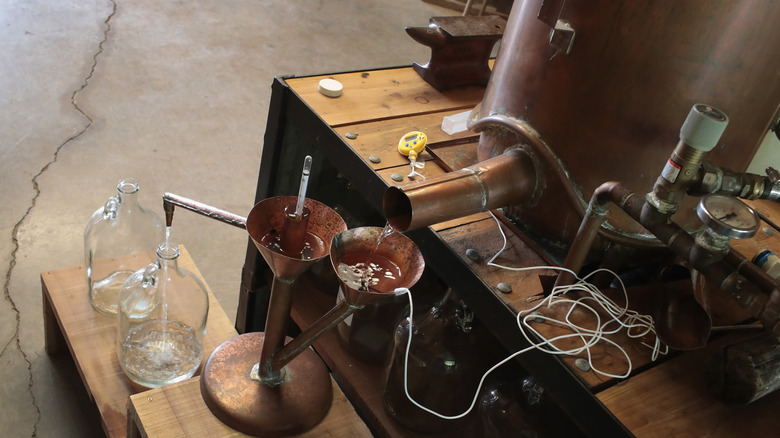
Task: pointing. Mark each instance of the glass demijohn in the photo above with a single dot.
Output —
(162, 322)
(119, 239)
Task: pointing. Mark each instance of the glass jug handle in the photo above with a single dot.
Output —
(150, 275)
(109, 210)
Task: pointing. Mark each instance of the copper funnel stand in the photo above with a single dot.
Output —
(269, 397)
(289, 391)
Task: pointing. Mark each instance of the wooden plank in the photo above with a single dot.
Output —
(381, 94)
(380, 139)
(484, 237)
(91, 339)
(672, 400)
(179, 410)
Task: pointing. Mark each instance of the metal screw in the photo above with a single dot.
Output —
(397, 177)
(351, 135)
(504, 288)
(582, 364)
(473, 254)
(149, 399)
(374, 159)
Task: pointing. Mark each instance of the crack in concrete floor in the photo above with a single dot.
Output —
(15, 341)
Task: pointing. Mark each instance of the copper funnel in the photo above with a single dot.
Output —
(274, 397)
(267, 218)
(362, 243)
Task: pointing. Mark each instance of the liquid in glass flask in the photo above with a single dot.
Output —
(162, 321)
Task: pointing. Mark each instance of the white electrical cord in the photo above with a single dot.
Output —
(636, 325)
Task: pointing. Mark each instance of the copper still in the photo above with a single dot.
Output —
(595, 91)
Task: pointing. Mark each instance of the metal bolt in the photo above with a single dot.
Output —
(397, 177)
(473, 254)
(504, 288)
(351, 135)
(374, 159)
(582, 364)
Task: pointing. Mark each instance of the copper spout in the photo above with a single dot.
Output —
(170, 201)
(508, 179)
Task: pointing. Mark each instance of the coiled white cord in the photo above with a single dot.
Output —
(617, 318)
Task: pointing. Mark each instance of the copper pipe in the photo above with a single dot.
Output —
(764, 305)
(276, 327)
(170, 201)
(508, 179)
(591, 225)
(331, 319)
(756, 275)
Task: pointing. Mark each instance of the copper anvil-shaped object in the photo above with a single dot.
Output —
(460, 49)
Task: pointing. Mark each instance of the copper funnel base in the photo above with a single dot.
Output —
(251, 407)
(395, 247)
(268, 216)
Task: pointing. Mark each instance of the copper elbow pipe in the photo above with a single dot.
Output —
(508, 179)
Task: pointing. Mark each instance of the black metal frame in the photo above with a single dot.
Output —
(289, 113)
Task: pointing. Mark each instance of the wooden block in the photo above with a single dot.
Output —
(91, 338)
(179, 410)
(672, 400)
(381, 138)
(381, 94)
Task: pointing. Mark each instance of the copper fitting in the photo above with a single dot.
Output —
(508, 179)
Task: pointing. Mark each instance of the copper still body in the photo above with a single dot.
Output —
(596, 91)
(599, 90)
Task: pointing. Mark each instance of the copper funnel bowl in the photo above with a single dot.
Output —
(395, 247)
(268, 215)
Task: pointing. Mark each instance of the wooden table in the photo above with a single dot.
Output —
(71, 324)
(345, 136)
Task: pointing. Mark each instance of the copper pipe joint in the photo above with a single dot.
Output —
(508, 179)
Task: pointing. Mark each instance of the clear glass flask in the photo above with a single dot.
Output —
(162, 321)
(449, 353)
(119, 239)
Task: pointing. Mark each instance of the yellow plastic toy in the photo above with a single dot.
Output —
(410, 145)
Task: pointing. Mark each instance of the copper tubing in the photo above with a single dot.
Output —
(170, 201)
(276, 327)
(761, 299)
(508, 179)
(591, 225)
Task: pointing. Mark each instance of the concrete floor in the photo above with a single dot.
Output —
(174, 93)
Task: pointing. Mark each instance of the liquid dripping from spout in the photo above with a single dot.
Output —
(164, 285)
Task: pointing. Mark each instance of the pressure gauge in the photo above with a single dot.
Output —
(728, 216)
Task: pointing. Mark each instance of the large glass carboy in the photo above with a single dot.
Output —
(119, 239)
(162, 321)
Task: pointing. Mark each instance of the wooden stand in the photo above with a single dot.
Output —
(70, 323)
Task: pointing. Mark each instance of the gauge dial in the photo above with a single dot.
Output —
(728, 216)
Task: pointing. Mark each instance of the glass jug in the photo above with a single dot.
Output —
(162, 321)
(119, 239)
(449, 353)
